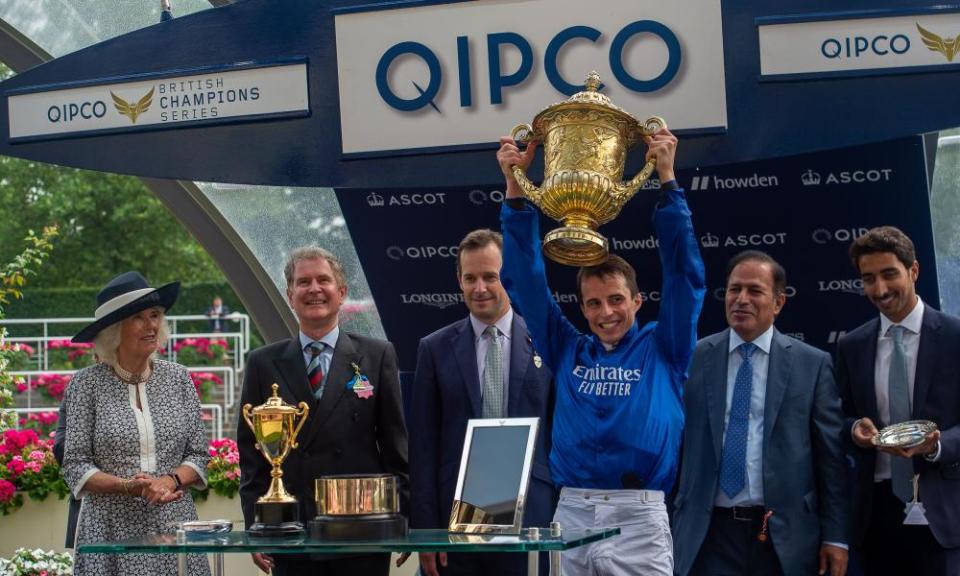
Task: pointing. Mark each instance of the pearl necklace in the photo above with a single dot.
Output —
(131, 378)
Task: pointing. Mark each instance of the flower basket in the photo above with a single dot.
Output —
(27, 466)
(201, 351)
(66, 355)
(36, 562)
(223, 470)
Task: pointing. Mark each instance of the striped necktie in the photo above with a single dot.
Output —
(315, 368)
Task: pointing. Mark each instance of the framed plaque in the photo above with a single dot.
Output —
(494, 476)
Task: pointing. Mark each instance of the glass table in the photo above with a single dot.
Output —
(532, 541)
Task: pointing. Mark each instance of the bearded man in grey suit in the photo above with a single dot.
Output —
(761, 476)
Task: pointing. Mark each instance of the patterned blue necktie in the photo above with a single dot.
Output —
(733, 462)
(898, 389)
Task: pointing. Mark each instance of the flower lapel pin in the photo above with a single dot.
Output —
(360, 384)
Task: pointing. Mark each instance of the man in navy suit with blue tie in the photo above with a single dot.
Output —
(902, 366)
(483, 366)
(761, 477)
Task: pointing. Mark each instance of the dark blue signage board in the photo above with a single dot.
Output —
(804, 210)
(354, 94)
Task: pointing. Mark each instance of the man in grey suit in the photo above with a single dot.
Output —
(355, 425)
(761, 489)
(902, 365)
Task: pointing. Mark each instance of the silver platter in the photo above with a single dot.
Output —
(203, 526)
(905, 434)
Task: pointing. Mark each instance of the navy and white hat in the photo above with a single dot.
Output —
(123, 297)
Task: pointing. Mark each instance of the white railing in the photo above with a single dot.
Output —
(240, 338)
(216, 418)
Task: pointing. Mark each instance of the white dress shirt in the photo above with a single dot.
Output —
(752, 493)
(504, 326)
(881, 373)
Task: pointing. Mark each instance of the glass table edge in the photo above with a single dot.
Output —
(236, 543)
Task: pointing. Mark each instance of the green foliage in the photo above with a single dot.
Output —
(13, 277)
(108, 224)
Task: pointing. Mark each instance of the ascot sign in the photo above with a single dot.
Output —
(462, 73)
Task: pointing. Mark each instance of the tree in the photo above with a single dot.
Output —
(108, 224)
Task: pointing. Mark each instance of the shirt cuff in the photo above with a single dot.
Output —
(79, 492)
(201, 474)
(838, 545)
(670, 185)
(516, 203)
(935, 457)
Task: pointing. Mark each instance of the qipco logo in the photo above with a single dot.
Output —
(622, 48)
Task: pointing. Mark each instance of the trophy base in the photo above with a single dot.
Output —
(574, 246)
(359, 527)
(276, 519)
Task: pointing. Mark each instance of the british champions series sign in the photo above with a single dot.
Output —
(461, 74)
(873, 44)
(160, 101)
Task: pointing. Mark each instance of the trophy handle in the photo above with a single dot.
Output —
(246, 411)
(624, 192)
(524, 133)
(304, 410)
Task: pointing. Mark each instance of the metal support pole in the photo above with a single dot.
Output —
(218, 564)
(555, 568)
(533, 557)
(181, 556)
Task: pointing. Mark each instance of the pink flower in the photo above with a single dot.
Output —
(232, 458)
(21, 387)
(18, 439)
(34, 466)
(38, 455)
(232, 474)
(15, 466)
(7, 491)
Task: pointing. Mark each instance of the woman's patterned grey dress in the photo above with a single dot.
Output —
(106, 432)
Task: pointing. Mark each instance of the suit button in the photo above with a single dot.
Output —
(338, 452)
(607, 498)
(356, 416)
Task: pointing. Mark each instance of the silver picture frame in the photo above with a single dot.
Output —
(494, 476)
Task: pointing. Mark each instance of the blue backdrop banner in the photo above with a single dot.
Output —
(804, 210)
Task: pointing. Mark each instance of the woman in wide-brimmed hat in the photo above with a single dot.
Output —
(134, 440)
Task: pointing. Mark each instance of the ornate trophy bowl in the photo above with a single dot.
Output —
(276, 512)
(585, 142)
(357, 507)
(905, 434)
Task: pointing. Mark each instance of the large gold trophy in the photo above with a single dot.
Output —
(585, 142)
(276, 512)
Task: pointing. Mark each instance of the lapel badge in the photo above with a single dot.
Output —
(537, 360)
(360, 384)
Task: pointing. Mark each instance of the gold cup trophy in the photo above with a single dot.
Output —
(585, 142)
(273, 423)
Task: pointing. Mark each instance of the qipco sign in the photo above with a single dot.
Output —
(463, 73)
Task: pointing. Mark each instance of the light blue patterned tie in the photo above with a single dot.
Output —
(733, 461)
(493, 376)
(901, 469)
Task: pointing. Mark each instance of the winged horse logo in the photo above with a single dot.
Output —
(949, 47)
(133, 110)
